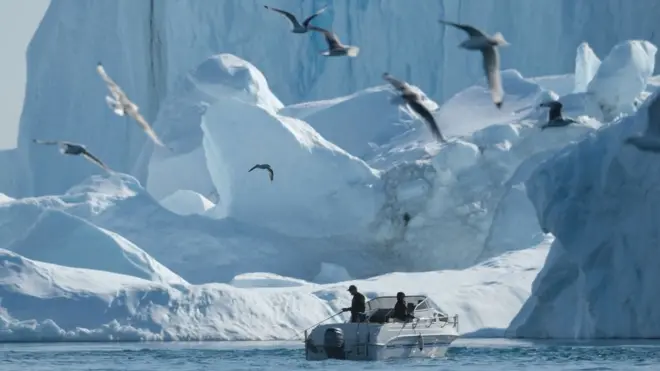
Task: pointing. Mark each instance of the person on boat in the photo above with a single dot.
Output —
(358, 305)
(401, 308)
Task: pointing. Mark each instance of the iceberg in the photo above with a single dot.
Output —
(622, 77)
(47, 302)
(586, 66)
(399, 169)
(309, 197)
(56, 237)
(468, 186)
(180, 118)
(158, 42)
(595, 282)
(198, 248)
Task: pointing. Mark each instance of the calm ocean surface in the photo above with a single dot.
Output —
(477, 354)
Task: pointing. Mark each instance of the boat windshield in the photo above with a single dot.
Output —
(387, 302)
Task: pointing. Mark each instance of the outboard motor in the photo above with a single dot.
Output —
(333, 343)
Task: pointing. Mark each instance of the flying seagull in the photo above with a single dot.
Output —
(74, 149)
(297, 27)
(335, 47)
(491, 57)
(649, 141)
(555, 118)
(264, 167)
(413, 100)
(121, 105)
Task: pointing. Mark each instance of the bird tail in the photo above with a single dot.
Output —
(353, 51)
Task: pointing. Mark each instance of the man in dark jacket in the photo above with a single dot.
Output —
(401, 308)
(358, 305)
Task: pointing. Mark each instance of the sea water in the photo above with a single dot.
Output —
(477, 354)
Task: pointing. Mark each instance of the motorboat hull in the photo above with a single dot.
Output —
(374, 352)
(374, 343)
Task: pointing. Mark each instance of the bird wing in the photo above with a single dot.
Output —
(330, 37)
(399, 85)
(309, 19)
(469, 29)
(94, 159)
(115, 90)
(491, 60)
(291, 17)
(253, 167)
(145, 126)
(428, 117)
(653, 117)
(271, 174)
(47, 142)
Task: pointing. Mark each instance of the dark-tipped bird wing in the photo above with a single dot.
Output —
(89, 156)
(330, 37)
(473, 32)
(253, 167)
(309, 19)
(48, 142)
(291, 17)
(428, 117)
(271, 174)
(399, 85)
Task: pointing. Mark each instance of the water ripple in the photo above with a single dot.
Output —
(259, 356)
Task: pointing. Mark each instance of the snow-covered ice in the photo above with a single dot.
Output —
(46, 302)
(622, 77)
(599, 279)
(586, 66)
(155, 43)
(187, 202)
(57, 237)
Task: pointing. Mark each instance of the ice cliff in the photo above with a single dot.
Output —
(599, 198)
(147, 47)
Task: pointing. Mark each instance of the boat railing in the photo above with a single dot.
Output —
(437, 318)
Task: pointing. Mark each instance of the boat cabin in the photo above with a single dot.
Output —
(381, 309)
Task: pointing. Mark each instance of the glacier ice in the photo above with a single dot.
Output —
(319, 189)
(186, 202)
(586, 66)
(154, 43)
(465, 184)
(332, 273)
(596, 280)
(366, 132)
(622, 77)
(47, 302)
(54, 236)
(180, 117)
(195, 247)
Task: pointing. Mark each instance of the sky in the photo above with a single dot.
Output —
(19, 20)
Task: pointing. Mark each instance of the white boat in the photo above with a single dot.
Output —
(380, 337)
